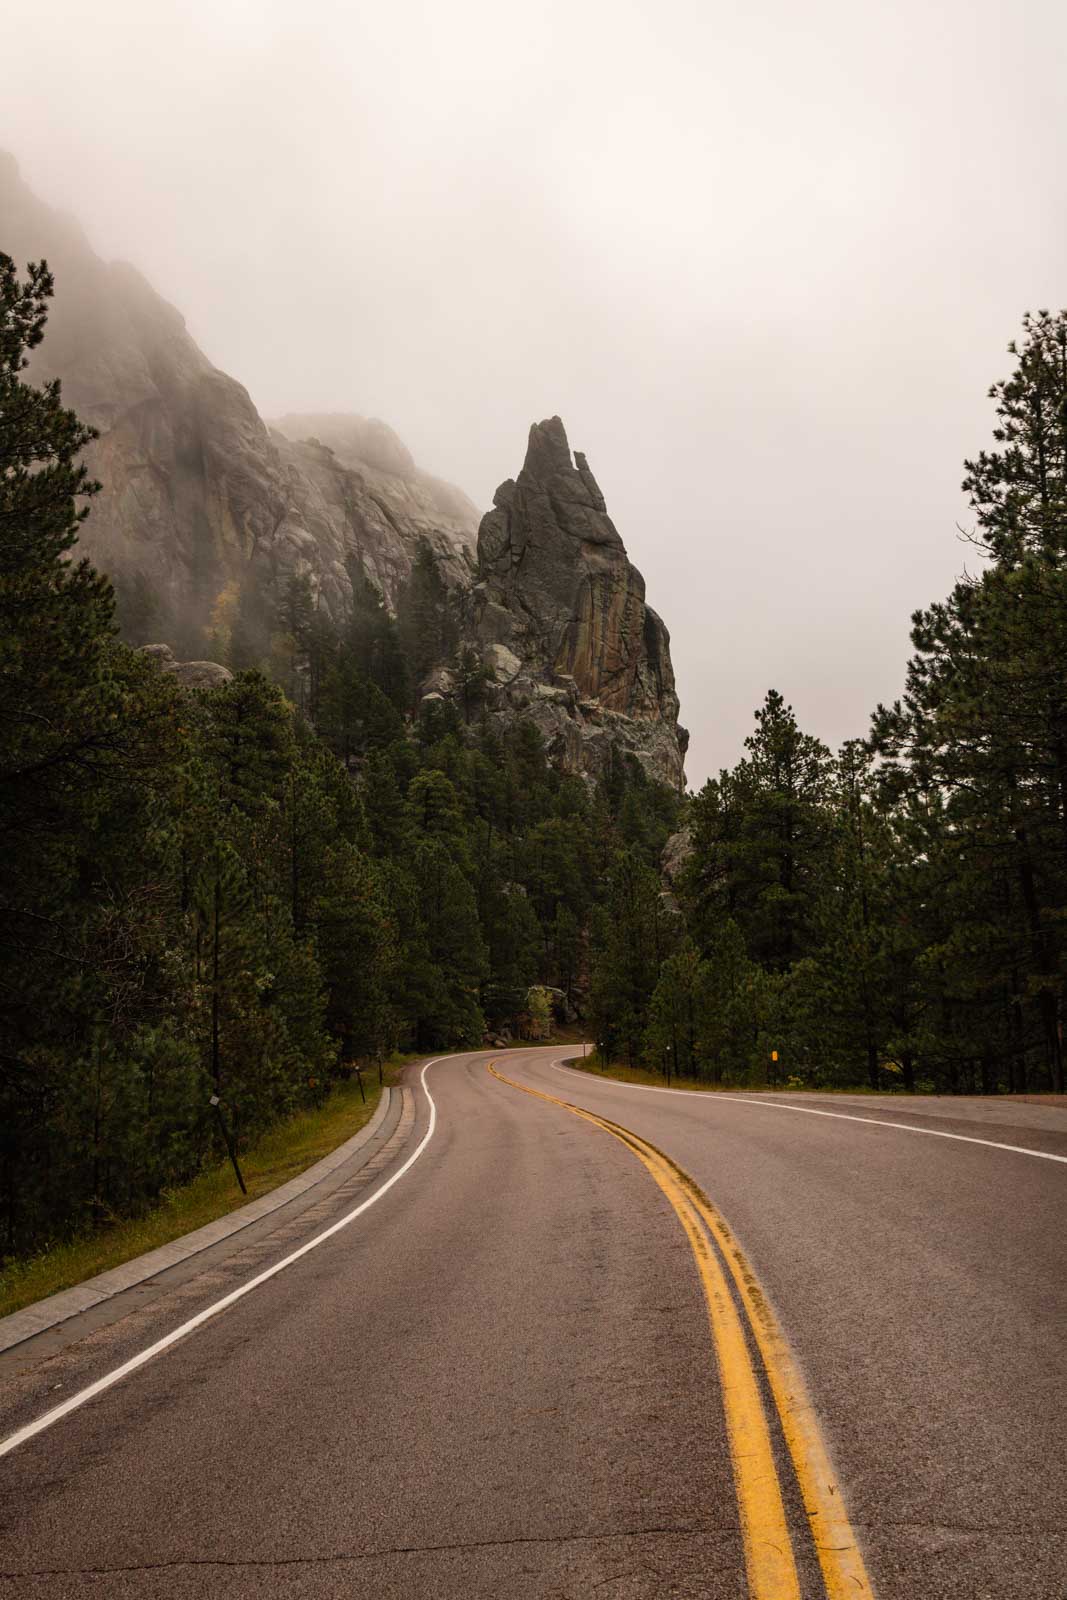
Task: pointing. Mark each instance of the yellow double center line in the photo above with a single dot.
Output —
(769, 1558)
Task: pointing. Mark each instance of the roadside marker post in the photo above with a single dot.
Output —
(74, 1401)
(231, 1149)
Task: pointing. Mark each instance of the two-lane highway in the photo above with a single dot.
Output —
(915, 1251)
(501, 1377)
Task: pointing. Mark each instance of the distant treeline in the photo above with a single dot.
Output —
(895, 915)
(241, 891)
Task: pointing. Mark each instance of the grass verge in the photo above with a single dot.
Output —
(624, 1074)
(280, 1154)
(621, 1073)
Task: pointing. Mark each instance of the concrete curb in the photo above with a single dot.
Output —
(45, 1314)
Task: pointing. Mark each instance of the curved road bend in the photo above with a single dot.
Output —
(501, 1379)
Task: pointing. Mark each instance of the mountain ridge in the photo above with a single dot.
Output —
(206, 506)
(198, 492)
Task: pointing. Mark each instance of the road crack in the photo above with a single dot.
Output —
(368, 1555)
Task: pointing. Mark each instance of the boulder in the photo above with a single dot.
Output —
(437, 684)
(202, 674)
(503, 663)
(193, 674)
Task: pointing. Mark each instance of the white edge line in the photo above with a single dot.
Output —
(811, 1111)
(57, 1413)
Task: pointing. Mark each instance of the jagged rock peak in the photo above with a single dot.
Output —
(548, 460)
(547, 452)
(558, 598)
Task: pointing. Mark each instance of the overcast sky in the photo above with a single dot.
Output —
(763, 257)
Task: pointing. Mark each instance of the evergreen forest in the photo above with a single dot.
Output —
(892, 915)
(239, 892)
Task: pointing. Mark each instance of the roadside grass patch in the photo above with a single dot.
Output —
(620, 1072)
(278, 1155)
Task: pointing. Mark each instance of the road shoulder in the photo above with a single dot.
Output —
(48, 1314)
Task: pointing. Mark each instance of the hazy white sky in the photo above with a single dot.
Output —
(763, 257)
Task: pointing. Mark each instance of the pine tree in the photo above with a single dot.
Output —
(1019, 492)
(855, 905)
(674, 1042)
(427, 624)
(984, 722)
(762, 834)
(633, 935)
(371, 640)
(454, 950)
(88, 734)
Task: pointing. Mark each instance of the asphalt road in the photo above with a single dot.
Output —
(501, 1380)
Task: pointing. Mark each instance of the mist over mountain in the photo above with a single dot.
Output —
(209, 515)
(197, 490)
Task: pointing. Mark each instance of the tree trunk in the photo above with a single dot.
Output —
(216, 1066)
(872, 1061)
(1047, 1001)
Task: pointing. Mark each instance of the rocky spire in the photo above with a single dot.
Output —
(561, 613)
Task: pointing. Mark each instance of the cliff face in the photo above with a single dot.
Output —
(561, 616)
(355, 484)
(197, 492)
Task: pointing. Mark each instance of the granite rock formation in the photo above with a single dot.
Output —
(198, 493)
(202, 501)
(561, 616)
(353, 476)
